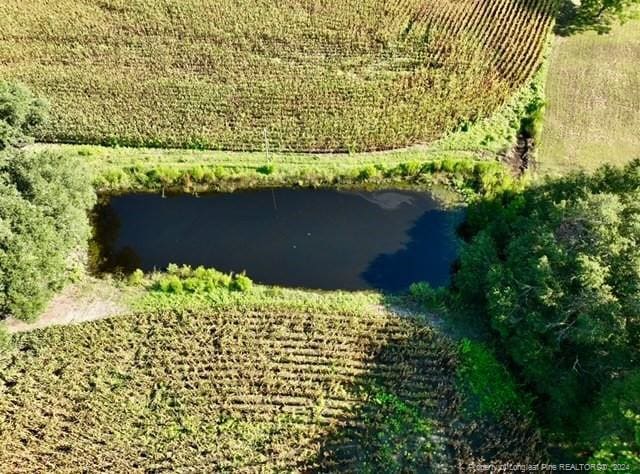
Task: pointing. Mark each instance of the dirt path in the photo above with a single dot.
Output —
(89, 300)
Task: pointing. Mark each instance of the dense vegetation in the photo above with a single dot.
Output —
(44, 227)
(211, 372)
(20, 113)
(340, 75)
(555, 270)
(44, 200)
(238, 387)
(598, 15)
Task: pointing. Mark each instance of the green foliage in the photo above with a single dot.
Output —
(136, 278)
(6, 342)
(531, 122)
(491, 388)
(597, 15)
(266, 169)
(556, 271)
(457, 172)
(44, 204)
(613, 427)
(396, 438)
(241, 283)
(431, 298)
(20, 113)
(184, 279)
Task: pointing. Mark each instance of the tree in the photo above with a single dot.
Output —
(555, 270)
(20, 113)
(613, 426)
(44, 201)
(598, 15)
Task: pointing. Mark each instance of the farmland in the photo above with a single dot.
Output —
(241, 75)
(281, 386)
(163, 163)
(593, 113)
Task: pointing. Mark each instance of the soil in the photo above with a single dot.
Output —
(520, 158)
(86, 301)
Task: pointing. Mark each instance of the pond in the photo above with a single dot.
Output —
(317, 239)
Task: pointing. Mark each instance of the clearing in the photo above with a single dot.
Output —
(593, 113)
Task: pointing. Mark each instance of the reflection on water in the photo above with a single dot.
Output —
(323, 239)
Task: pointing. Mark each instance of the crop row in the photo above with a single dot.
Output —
(226, 391)
(329, 76)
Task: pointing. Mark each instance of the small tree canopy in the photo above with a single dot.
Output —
(20, 113)
(44, 200)
(597, 15)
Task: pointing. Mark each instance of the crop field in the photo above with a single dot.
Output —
(232, 390)
(338, 75)
(266, 381)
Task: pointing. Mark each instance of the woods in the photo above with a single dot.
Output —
(555, 270)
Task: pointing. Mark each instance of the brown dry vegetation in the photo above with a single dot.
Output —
(232, 389)
(336, 75)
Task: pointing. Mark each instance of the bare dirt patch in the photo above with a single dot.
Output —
(89, 300)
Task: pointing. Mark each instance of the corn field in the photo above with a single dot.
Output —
(336, 75)
(221, 391)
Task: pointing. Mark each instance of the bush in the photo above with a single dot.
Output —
(136, 278)
(493, 391)
(431, 298)
(6, 342)
(20, 113)
(241, 283)
(368, 173)
(555, 271)
(44, 204)
(184, 279)
(266, 169)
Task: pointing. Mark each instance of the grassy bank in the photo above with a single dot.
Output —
(121, 170)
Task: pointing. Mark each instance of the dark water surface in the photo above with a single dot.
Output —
(320, 239)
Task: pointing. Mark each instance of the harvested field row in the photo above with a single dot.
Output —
(336, 76)
(127, 391)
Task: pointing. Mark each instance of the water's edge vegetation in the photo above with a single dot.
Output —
(530, 355)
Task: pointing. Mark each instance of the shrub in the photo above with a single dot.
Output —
(136, 278)
(241, 283)
(197, 173)
(367, 173)
(424, 294)
(20, 113)
(5, 340)
(266, 169)
(44, 204)
(184, 279)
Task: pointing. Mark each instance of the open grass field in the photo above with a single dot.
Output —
(593, 96)
(339, 75)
